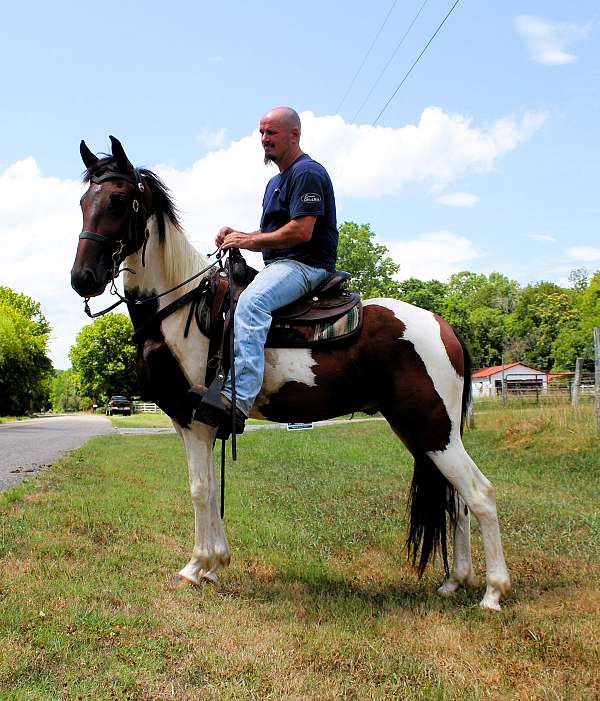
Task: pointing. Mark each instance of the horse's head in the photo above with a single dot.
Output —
(115, 209)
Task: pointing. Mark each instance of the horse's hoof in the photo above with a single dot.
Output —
(181, 582)
(210, 577)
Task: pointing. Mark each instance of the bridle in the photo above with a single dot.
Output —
(125, 245)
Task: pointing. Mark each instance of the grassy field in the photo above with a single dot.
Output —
(141, 421)
(319, 602)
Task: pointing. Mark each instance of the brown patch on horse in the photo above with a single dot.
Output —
(452, 345)
(359, 376)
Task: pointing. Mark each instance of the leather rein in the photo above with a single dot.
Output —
(126, 245)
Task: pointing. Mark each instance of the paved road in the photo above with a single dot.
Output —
(26, 447)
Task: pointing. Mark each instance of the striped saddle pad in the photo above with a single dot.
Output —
(309, 334)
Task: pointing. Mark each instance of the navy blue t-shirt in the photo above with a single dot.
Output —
(303, 189)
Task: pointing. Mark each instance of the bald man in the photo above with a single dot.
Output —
(298, 239)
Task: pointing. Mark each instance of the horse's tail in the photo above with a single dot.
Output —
(432, 499)
(467, 384)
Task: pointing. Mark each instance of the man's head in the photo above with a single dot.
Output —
(280, 136)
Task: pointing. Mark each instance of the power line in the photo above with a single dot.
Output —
(416, 61)
(366, 56)
(415, 18)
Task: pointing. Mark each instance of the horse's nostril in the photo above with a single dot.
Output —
(83, 281)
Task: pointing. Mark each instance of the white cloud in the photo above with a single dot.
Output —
(541, 237)
(40, 217)
(435, 255)
(548, 41)
(584, 253)
(212, 139)
(458, 199)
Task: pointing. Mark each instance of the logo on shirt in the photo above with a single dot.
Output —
(310, 198)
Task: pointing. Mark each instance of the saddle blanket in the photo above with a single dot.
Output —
(308, 335)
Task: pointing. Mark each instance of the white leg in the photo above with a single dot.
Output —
(462, 573)
(479, 495)
(211, 550)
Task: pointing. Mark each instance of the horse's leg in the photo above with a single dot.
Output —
(479, 495)
(211, 550)
(462, 572)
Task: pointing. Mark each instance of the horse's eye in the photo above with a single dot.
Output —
(116, 202)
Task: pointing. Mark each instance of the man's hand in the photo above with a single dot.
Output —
(237, 239)
(222, 233)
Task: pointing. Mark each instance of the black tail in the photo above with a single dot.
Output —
(467, 385)
(431, 497)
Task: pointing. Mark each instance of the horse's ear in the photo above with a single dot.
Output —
(86, 155)
(119, 154)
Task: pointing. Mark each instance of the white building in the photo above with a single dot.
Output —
(517, 377)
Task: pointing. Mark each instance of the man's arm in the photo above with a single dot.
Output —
(291, 234)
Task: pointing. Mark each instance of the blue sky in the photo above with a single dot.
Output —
(487, 159)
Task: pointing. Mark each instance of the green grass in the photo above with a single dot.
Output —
(319, 602)
(12, 419)
(141, 421)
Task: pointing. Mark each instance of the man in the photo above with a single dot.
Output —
(298, 238)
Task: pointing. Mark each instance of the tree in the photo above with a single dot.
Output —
(541, 312)
(428, 294)
(104, 357)
(575, 338)
(368, 263)
(25, 369)
(65, 393)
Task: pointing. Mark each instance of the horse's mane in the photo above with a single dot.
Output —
(181, 259)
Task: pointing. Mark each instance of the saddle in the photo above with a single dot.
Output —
(328, 314)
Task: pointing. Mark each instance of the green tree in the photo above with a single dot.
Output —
(28, 307)
(541, 312)
(368, 263)
(428, 294)
(575, 338)
(104, 357)
(25, 368)
(65, 393)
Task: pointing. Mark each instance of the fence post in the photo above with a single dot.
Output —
(597, 373)
(576, 382)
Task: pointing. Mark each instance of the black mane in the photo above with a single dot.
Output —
(161, 195)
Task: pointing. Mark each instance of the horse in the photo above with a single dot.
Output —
(406, 363)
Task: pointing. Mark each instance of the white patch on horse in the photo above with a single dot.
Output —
(167, 265)
(284, 365)
(422, 329)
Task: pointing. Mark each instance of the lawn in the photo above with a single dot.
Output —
(319, 602)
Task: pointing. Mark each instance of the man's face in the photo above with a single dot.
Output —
(276, 138)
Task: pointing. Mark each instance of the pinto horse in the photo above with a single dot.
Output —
(406, 363)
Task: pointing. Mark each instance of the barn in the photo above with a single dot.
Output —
(517, 377)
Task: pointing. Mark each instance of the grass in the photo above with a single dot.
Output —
(12, 419)
(141, 421)
(319, 602)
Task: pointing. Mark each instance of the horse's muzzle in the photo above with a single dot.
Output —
(86, 283)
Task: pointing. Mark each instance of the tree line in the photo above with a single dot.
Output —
(542, 324)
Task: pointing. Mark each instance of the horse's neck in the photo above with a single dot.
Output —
(166, 264)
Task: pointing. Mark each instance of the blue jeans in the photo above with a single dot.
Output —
(279, 283)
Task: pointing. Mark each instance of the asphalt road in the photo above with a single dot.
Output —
(26, 447)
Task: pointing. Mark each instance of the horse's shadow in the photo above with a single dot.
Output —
(320, 597)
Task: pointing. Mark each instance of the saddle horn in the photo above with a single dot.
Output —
(119, 154)
(87, 156)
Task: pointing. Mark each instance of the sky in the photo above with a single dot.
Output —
(486, 159)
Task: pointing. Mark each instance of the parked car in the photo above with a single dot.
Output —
(119, 405)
